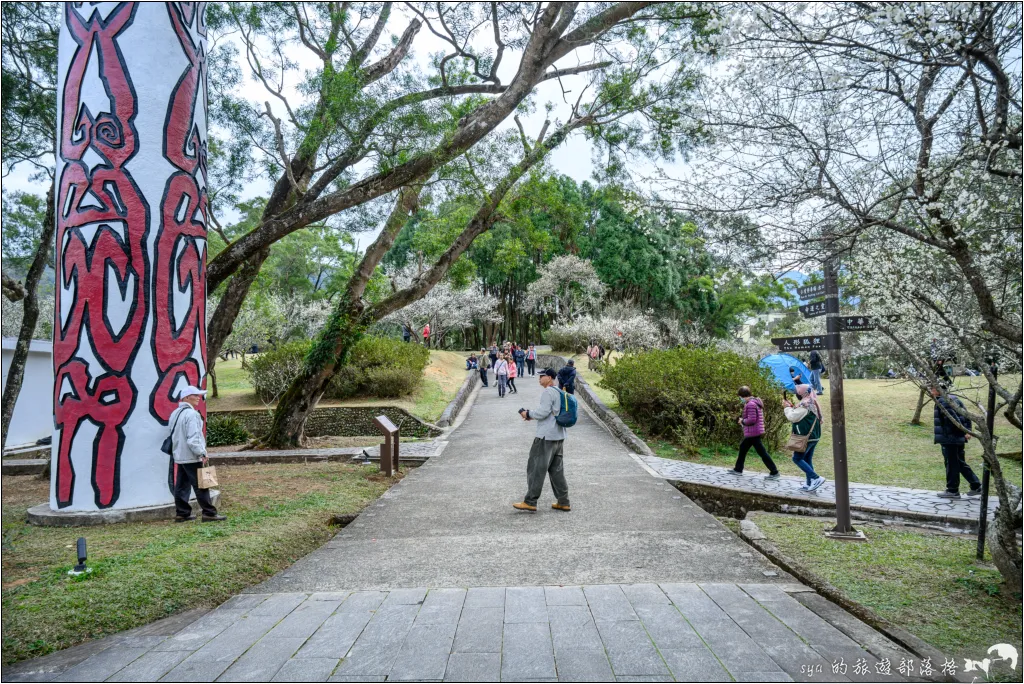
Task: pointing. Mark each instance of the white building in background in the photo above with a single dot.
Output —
(33, 412)
(759, 323)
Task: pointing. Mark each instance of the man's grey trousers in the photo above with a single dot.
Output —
(546, 459)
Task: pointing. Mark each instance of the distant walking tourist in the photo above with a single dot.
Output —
(513, 372)
(426, 335)
(482, 365)
(520, 357)
(546, 452)
(752, 421)
(406, 333)
(531, 360)
(493, 353)
(806, 419)
(816, 368)
(567, 377)
(501, 374)
(951, 433)
(188, 449)
(593, 354)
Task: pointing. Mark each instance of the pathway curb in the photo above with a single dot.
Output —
(451, 411)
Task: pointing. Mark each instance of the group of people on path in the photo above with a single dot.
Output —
(509, 361)
(952, 432)
(804, 417)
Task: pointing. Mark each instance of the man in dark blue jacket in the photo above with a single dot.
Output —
(567, 377)
(951, 433)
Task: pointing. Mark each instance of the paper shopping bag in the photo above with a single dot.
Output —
(207, 477)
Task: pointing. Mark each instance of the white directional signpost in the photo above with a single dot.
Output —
(832, 341)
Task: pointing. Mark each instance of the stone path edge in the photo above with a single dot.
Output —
(456, 405)
(798, 504)
(752, 535)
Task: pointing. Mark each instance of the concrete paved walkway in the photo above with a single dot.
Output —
(442, 579)
(450, 523)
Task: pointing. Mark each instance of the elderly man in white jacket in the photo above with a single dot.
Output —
(188, 449)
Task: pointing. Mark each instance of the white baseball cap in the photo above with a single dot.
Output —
(190, 390)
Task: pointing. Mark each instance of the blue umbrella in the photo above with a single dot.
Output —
(779, 365)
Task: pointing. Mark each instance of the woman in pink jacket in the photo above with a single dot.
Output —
(513, 372)
(752, 421)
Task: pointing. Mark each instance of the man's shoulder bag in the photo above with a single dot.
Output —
(168, 444)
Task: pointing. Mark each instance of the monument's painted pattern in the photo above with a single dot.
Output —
(132, 208)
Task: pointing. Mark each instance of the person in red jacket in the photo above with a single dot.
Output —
(752, 421)
(426, 335)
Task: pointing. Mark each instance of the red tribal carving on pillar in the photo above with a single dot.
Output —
(179, 341)
(101, 263)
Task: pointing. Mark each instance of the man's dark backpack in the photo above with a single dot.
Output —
(567, 411)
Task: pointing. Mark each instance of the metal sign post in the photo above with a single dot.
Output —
(844, 526)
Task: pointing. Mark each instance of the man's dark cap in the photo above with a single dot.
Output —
(549, 372)
(570, 362)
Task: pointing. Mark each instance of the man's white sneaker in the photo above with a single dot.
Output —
(817, 483)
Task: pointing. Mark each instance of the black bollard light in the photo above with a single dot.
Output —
(80, 569)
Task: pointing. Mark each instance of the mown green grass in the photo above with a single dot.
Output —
(929, 584)
(145, 571)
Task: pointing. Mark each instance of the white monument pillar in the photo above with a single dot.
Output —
(130, 315)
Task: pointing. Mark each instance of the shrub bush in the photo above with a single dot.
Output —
(271, 371)
(389, 382)
(689, 395)
(221, 430)
(377, 367)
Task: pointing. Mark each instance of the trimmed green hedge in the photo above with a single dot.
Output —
(377, 367)
(688, 395)
(222, 430)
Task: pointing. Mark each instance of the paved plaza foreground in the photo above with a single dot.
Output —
(441, 579)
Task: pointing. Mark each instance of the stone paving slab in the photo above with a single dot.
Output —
(609, 632)
(878, 499)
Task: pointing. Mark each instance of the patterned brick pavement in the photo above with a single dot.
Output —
(894, 501)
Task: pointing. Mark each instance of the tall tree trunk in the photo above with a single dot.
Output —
(30, 304)
(328, 353)
(223, 319)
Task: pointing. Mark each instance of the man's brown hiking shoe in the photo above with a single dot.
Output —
(523, 506)
(561, 507)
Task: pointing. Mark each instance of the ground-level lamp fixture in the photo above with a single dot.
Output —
(80, 569)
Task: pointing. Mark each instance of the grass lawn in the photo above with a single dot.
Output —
(929, 584)
(882, 446)
(145, 571)
(441, 380)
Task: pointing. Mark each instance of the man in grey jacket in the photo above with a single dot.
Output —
(188, 449)
(546, 452)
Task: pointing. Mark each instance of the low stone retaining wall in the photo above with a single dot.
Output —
(736, 503)
(586, 394)
(338, 421)
(451, 412)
